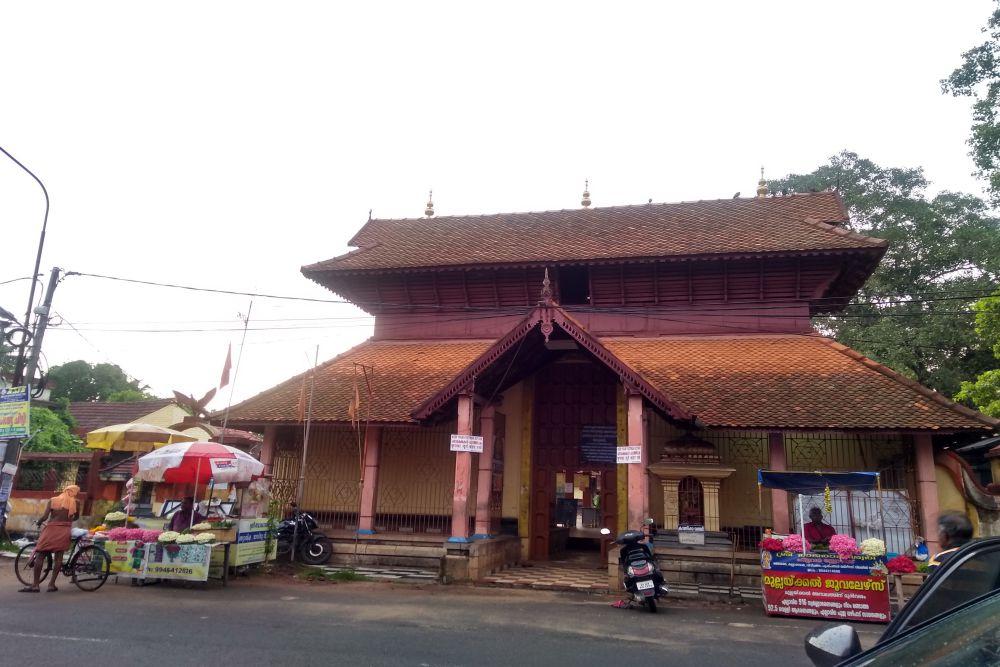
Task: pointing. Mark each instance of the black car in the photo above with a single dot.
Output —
(953, 619)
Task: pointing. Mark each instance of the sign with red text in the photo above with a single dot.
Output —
(824, 586)
(467, 443)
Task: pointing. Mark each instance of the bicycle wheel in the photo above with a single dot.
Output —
(24, 565)
(89, 568)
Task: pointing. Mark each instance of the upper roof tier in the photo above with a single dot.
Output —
(792, 224)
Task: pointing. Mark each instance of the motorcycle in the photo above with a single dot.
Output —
(642, 576)
(313, 547)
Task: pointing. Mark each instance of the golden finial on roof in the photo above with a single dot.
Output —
(429, 211)
(762, 185)
(585, 202)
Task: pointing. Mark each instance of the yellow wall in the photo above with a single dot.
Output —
(166, 416)
(512, 410)
(417, 472)
(950, 499)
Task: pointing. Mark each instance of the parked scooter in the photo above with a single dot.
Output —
(312, 547)
(643, 579)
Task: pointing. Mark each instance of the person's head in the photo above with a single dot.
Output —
(954, 529)
(67, 499)
(816, 515)
(72, 490)
(187, 503)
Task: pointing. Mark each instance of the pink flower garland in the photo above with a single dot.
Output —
(794, 542)
(844, 546)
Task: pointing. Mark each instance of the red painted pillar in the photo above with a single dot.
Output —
(927, 491)
(638, 486)
(484, 487)
(369, 488)
(463, 475)
(780, 522)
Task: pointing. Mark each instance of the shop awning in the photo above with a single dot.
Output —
(810, 483)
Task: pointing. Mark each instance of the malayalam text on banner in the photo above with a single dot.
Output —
(467, 443)
(14, 413)
(188, 562)
(823, 586)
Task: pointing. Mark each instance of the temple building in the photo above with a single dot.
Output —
(683, 330)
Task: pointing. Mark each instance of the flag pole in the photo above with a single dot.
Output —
(236, 373)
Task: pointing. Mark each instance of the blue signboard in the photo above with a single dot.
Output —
(598, 443)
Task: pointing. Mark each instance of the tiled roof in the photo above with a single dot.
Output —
(791, 381)
(91, 415)
(405, 373)
(795, 223)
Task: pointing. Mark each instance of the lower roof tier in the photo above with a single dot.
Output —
(748, 381)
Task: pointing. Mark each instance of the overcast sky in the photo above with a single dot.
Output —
(226, 144)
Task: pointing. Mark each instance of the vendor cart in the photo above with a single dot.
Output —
(840, 583)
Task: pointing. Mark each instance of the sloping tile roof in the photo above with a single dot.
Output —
(91, 415)
(795, 223)
(791, 381)
(405, 373)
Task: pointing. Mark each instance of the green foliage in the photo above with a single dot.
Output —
(338, 576)
(914, 313)
(49, 433)
(984, 392)
(128, 396)
(81, 381)
(979, 78)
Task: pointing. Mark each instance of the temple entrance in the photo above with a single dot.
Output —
(573, 492)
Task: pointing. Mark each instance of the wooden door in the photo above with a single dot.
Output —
(567, 397)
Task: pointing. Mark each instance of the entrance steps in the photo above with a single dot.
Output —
(552, 576)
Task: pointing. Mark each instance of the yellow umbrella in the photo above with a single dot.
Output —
(134, 437)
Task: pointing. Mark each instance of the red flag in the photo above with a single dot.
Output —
(227, 367)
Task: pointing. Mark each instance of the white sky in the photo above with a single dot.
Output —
(225, 144)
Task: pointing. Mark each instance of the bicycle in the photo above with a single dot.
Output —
(88, 566)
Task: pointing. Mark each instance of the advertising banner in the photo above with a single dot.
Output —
(823, 586)
(127, 557)
(629, 454)
(251, 542)
(188, 562)
(14, 413)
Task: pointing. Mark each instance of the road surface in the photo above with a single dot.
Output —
(281, 621)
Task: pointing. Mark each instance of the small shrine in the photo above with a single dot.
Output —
(690, 471)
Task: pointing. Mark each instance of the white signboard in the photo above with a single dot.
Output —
(687, 534)
(9, 469)
(467, 443)
(629, 454)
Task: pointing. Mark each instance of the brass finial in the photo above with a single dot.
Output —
(429, 211)
(762, 185)
(585, 202)
(546, 295)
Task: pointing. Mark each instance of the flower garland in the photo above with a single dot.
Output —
(185, 538)
(844, 546)
(771, 544)
(901, 565)
(827, 501)
(794, 542)
(873, 547)
(168, 537)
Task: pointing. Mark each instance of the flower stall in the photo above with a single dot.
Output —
(200, 550)
(841, 580)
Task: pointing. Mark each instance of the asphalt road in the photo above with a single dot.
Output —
(280, 621)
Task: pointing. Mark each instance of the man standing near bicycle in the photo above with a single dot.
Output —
(60, 512)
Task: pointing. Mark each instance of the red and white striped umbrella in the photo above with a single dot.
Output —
(197, 463)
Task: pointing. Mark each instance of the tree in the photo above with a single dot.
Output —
(984, 392)
(914, 313)
(81, 381)
(49, 433)
(979, 78)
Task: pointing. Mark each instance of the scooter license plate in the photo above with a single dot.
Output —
(644, 585)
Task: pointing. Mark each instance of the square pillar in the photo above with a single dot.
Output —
(671, 513)
(780, 521)
(369, 480)
(638, 487)
(463, 475)
(484, 487)
(927, 491)
(710, 503)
